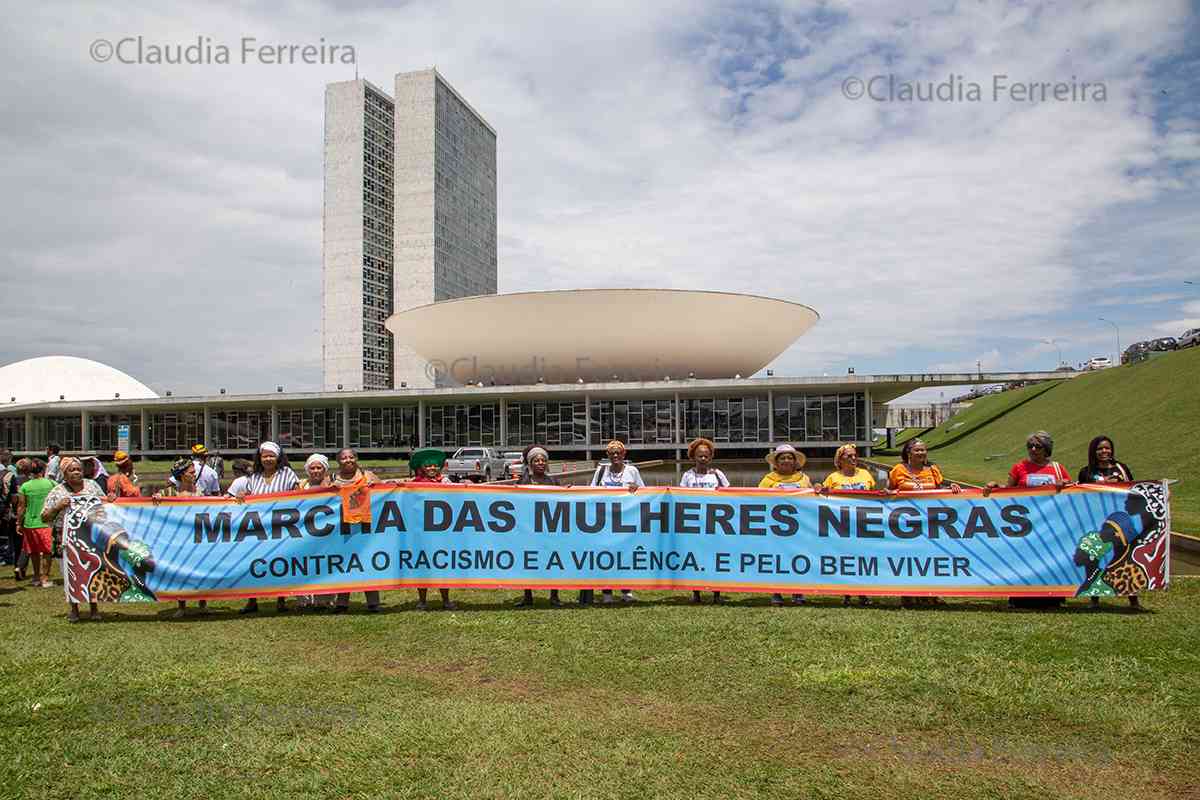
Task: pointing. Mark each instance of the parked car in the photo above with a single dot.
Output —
(476, 464)
(1099, 362)
(1164, 344)
(1135, 352)
(514, 462)
(1190, 338)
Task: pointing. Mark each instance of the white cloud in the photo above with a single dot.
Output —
(677, 144)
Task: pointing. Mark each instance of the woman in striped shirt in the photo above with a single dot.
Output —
(270, 474)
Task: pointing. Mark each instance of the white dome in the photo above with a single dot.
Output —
(42, 380)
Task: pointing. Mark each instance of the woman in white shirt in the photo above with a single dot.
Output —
(703, 475)
(270, 474)
(615, 474)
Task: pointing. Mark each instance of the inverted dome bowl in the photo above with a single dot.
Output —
(596, 334)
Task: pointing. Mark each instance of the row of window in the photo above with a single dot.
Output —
(798, 418)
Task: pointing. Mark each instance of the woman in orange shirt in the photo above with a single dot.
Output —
(913, 473)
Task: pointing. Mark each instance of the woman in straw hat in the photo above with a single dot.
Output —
(785, 473)
(703, 475)
(426, 466)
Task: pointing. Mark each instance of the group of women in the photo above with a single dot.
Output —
(270, 472)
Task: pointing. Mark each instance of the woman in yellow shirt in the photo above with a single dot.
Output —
(785, 473)
(848, 476)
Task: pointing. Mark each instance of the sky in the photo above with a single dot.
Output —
(166, 218)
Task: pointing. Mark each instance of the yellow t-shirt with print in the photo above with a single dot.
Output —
(861, 479)
(773, 480)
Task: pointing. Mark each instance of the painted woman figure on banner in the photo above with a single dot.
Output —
(1135, 541)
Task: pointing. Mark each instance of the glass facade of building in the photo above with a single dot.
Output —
(66, 431)
(550, 423)
(243, 429)
(310, 428)
(464, 200)
(102, 431)
(632, 421)
(820, 417)
(12, 433)
(462, 425)
(378, 255)
(175, 430)
(567, 422)
(384, 427)
(726, 419)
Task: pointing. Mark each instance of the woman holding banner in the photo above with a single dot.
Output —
(350, 474)
(915, 473)
(270, 474)
(848, 476)
(184, 473)
(703, 475)
(57, 502)
(785, 473)
(1036, 469)
(616, 474)
(1103, 467)
(426, 466)
(537, 473)
(316, 472)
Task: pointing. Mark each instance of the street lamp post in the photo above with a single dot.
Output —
(1056, 347)
(1117, 360)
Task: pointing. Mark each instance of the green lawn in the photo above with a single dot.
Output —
(1151, 410)
(659, 700)
(983, 411)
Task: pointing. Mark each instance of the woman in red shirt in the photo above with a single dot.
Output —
(1036, 469)
(426, 466)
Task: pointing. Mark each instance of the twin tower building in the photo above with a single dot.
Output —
(409, 219)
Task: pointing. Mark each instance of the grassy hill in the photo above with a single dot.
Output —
(1151, 410)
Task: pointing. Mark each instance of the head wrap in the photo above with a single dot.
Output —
(179, 467)
(696, 443)
(316, 458)
(199, 450)
(270, 447)
(120, 457)
(842, 452)
(617, 443)
(68, 461)
(536, 451)
(1042, 438)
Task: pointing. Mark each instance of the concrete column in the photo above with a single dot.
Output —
(504, 423)
(345, 424)
(207, 427)
(771, 415)
(29, 430)
(145, 430)
(870, 420)
(420, 423)
(587, 426)
(275, 424)
(85, 436)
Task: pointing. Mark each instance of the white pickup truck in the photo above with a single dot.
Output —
(476, 464)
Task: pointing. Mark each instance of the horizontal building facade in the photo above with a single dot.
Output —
(572, 419)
